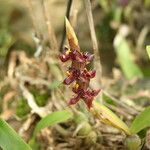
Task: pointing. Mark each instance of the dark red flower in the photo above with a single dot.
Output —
(73, 75)
(78, 71)
(88, 57)
(65, 55)
(87, 96)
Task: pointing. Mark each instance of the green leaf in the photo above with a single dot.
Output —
(9, 139)
(148, 50)
(51, 119)
(141, 121)
(124, 56)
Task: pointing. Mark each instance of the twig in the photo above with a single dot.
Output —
(88, 8)
(33, 81)
(130, 110)
(41, 111)
(27, 124)
(74, 13)
(51, 33)
(64, 31)
(62, 131)
(36, 34)
(38, 44)
(31, 12)
(12, 64)
(122, 112)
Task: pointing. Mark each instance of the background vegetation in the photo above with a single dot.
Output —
(33, 99)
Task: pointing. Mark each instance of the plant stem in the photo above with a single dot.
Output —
(51, 33)
(88, 8)
(64, 31)
(37, 37)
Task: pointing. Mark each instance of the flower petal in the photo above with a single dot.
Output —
(88, 97)
(64, 57)
(76, 55)
(69, 80)
(89, 57)
(91, 74)
(88, 102)
(74, 100)
(95, 92)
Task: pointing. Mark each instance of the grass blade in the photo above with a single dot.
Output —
(9, 139)
(123, 51)
(141, 121)
(51, 119)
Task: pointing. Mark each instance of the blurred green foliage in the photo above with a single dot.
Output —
(41, 96)
(14, 28)
(22, 109)
(15, 34)
(114, 14)
(123, 51)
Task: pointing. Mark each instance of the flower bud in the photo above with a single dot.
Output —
(133, 142)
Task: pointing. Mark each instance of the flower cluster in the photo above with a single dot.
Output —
(78, 72)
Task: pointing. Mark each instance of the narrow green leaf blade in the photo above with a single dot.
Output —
(141, 121)
(148, 50)
(53, 118)
(9, 139)
(124, 56)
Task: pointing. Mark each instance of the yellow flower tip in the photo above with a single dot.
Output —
(71, 36)
(68, 73)
(68, 51)
(85, 69)
(76, 86)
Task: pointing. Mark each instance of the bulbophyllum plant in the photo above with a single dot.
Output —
(81, 76)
